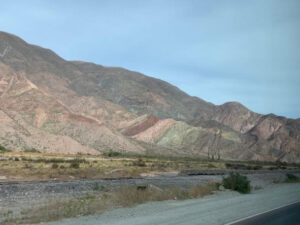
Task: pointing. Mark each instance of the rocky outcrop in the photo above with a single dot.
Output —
(140, 127)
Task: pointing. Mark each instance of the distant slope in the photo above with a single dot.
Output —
(103, 108)
(37, 118)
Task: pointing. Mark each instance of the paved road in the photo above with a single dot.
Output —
(221, 208)
(288, 215)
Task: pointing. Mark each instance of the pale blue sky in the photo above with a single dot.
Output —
(218, 50)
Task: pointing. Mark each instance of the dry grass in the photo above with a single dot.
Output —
(96, 203)
(200, 191)
(30, 166)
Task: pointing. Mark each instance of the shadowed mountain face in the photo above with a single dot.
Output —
(63, 106)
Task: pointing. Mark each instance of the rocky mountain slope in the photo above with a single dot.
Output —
(55, 105)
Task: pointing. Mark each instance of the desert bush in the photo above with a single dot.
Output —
(28, 166)
(140, 163)
(3, 149)
(279, 163)
(32, 150)
(237, 182)
(240, 166)
(56, 160)
(54, 166)
(236, 166)
(74, 165)
(290, 178)
(257, 167)
(97, 187)
(112, 153)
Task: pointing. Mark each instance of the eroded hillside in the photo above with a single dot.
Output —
(56, 105)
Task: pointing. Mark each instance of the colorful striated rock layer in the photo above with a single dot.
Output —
(55, 105)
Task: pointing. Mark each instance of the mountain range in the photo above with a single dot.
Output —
(55, 105)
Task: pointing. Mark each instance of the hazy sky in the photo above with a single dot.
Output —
(246, 51)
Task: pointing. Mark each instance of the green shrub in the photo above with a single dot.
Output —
(291, 178)
(112, 153)
(236, 166)
(54, 166)
(3, 149)
(32, 150)
(140, 163)
(74, 165)
(237, 182)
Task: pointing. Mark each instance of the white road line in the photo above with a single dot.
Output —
(248, 217)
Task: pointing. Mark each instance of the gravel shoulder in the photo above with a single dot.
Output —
(221, 208)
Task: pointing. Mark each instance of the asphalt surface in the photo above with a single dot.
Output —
(288, 215)
(220, 208)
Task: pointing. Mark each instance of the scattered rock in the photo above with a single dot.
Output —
(153, 187)
(3, 177)
(221, 188)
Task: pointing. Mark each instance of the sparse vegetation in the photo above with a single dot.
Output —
(97, 187)
(242, 166)
(112, 153)
(54, 166)
(139, 162)
(39, 166)
(237, 182)
(200, 191)
(3, 149)
(75, 165)
(125, 196)
(291, 178)
(42, 166)
(32, 150)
